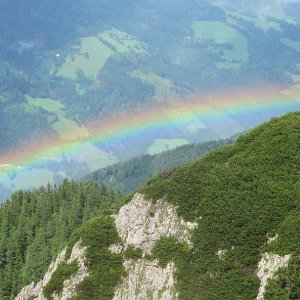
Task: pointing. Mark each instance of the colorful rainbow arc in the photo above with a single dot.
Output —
(178, 112)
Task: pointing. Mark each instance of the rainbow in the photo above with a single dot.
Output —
(215, 108)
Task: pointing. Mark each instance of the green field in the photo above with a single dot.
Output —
(91, 63)
(69, 130)
(263, 24)
(48, 104)
(95, 51)
(161, 145)
(290, 43)
(222, 33)
(96, 158)
(121, 41)
(163, 86)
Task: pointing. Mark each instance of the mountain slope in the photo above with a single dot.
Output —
(223, 227)
(129, 175)
(35, 226)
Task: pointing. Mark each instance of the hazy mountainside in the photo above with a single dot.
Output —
(129, 175)
(35, 226)
(223, 227)
(65, 63)
(277, 9)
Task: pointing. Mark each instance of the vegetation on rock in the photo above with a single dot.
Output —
(63, 272)
(35, 226)
(239, 194)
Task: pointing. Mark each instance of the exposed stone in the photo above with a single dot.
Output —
(147, 280)
(70, 285)
(272, 238)
(141, 223)
(221, 253)
(267, 268)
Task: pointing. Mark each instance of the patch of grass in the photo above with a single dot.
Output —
(90, 64)
(63, 272)
(163, 86)
(95, 51)
(69, 130)
(48, 104)
(161, 145)
(132, 253)
(121, 41)
(94, 157)
(221, 33)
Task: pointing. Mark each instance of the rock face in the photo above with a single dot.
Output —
(141, 224)
(35, 291)
(146, 280)
(267, 267)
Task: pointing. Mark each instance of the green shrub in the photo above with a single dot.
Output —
(132, 253)
(169, 249)
(105, 268)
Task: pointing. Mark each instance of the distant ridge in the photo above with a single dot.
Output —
(129, 175)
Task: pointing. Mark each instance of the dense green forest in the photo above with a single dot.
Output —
(129, 175)
(35, 226)
(240, 194)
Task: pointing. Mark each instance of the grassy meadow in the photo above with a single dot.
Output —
(94, 51)
(221, 33)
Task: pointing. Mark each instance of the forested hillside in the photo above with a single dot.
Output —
(223, 227)
(129, 175)
(242, 196)
(35, 226)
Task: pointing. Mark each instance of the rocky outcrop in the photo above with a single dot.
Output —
(35, 290)
(267, 268)
(141, 223)
(147, 280)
